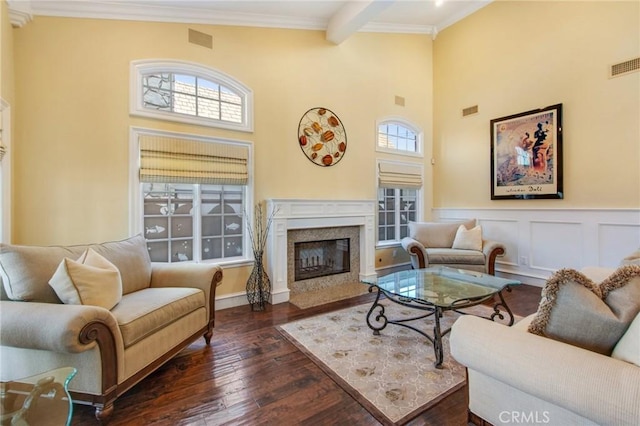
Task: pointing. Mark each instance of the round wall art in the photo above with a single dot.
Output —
(322, 137)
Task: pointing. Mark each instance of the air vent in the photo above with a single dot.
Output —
(470, 110)
(399, 101)
(625, 67)
(201, 39)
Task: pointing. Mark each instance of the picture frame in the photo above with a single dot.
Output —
(526, 155)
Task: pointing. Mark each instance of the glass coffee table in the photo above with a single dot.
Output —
(434, 291)
(42, 399)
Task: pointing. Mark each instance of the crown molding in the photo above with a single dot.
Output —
(20, 13)
(159, 13)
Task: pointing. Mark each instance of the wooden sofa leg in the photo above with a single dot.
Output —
(103, 413)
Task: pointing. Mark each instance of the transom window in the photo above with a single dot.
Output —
(190, 93)
(398, 136)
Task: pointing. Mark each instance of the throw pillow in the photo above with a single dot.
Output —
(632, 259)
(628, 348)
(577, 311)
(91, 280)
(468, 239)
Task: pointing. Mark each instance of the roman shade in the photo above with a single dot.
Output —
(397, 175)
(166, 159)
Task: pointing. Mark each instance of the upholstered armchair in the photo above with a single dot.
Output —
(448, 244)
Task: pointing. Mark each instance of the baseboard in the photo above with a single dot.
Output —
(477, 420)
(524, 278)
(231, 300)
(393, 268)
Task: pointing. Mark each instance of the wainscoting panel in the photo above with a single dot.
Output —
(503, 231)
(613, 235)
(545, 236)
(540, 241)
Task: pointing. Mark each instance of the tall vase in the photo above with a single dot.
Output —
(258, 284)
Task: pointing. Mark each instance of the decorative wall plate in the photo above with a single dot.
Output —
(322, 137)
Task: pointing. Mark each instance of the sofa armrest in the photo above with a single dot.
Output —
(491, 249)
(205, 276)
(602, 389)
(417, 252)
(55, 327)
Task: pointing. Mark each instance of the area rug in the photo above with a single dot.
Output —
(392, 375)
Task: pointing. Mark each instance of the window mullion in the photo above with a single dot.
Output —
(397, 213)
(197, 224)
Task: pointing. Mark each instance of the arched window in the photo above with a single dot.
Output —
(190, 93)
(398, 136)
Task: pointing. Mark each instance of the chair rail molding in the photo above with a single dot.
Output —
(541, 241)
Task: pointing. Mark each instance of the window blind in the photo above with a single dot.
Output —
(175, 160)
(397, 175)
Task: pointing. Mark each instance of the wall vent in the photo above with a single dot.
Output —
(470, 110)
(201, 39)
(625, 67)
(399, 101)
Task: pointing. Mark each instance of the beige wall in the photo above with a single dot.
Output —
(512, 57)
(72, 114)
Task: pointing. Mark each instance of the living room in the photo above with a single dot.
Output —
(65, 87)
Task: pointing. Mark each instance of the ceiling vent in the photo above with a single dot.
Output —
(201, 39)
(470, 110)
(625, 67)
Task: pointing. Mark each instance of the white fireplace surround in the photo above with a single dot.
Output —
(304, 214)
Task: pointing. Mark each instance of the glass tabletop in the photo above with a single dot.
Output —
(41, 399)
(440, 286)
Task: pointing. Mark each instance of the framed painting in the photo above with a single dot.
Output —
(526, 155)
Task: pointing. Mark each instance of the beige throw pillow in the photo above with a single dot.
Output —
(91, 280)
(632, 259)
(628, 347)
(577, 311)
(468, 239)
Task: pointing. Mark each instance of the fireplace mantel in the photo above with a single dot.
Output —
(302, 214)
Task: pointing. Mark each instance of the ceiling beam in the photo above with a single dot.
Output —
(353, 16)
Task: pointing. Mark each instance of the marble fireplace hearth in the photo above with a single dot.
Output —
(309, 220)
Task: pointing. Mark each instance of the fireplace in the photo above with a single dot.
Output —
(317, 220)
(314, 259)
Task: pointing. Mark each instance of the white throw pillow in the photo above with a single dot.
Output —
(90, 280)
(468, 239)
(628, 347)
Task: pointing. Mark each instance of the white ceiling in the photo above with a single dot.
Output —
(339, 18)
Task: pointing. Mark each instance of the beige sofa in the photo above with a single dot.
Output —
(163, 308)
(434, 244)
(516, 377)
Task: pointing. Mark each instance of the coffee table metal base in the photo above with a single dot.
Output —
(377, 312)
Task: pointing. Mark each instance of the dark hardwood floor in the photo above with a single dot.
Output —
(251, 375)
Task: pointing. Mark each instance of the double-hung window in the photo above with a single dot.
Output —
(193, 194)
(399, 199)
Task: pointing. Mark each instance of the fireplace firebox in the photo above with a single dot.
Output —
(321, 258)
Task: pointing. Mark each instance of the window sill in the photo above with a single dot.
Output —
(389, 244)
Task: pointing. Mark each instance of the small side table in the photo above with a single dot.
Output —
(42, 399)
